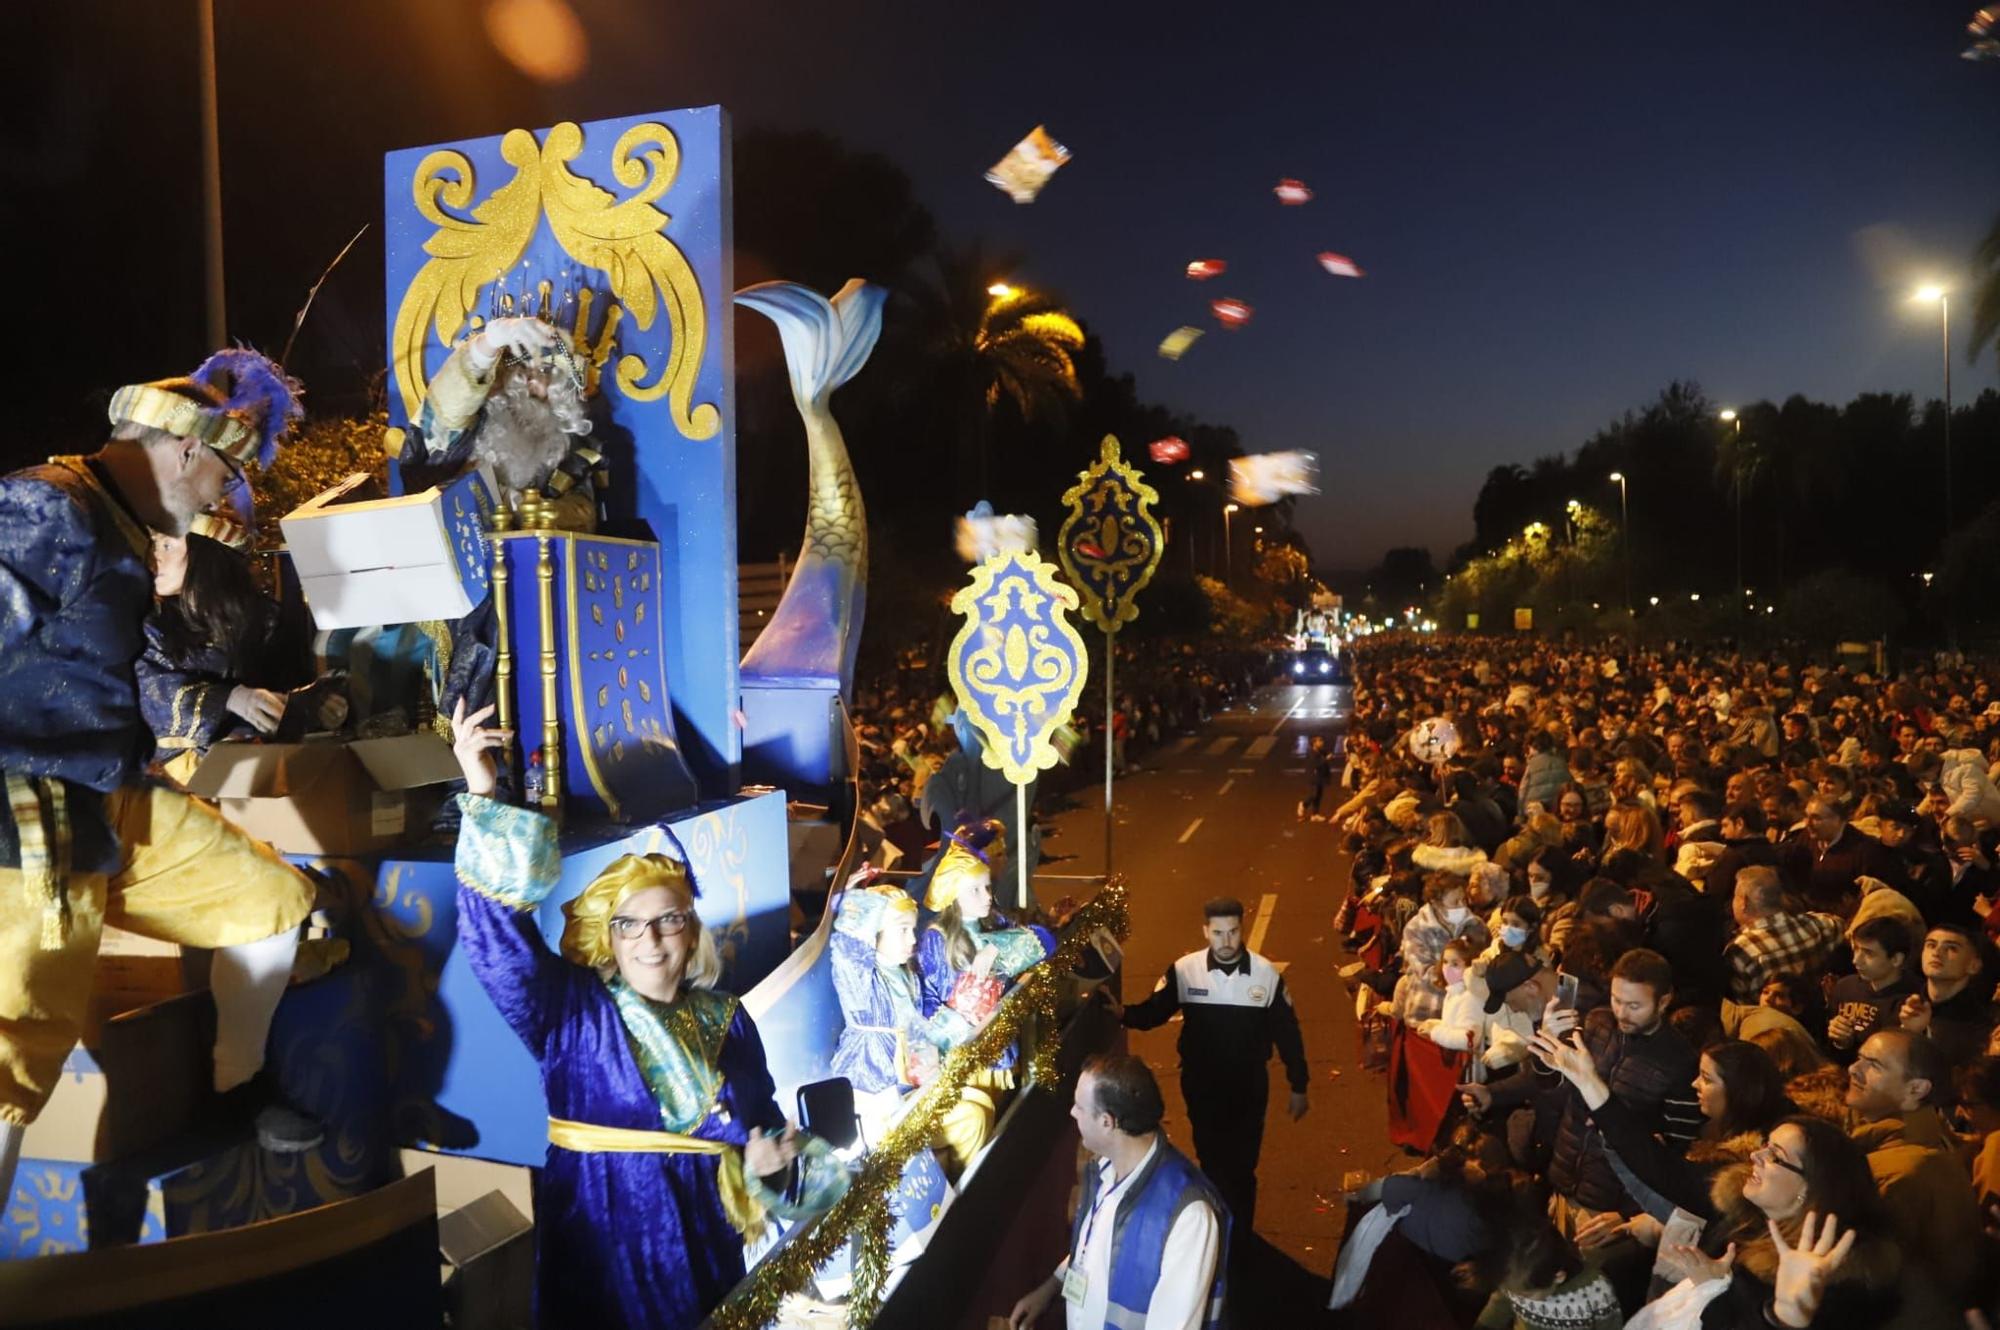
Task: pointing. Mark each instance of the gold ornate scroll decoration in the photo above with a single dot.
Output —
(1113, 508)
(1017, 664)
(623, 238)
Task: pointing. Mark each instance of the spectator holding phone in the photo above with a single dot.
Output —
(1644, 1062)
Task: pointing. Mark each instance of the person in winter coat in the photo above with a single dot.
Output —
(1545, 775)
(1444, 917)
(1972, 793)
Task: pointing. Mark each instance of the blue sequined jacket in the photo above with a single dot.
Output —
(75, 589)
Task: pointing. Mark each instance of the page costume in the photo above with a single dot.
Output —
(642, 1207)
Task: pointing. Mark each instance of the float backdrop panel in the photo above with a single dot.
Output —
(458, 215)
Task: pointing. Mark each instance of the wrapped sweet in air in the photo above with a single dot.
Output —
(1169, 450)
(1028, 166)
(1175, 344)
(1263, 478)
(1339, 264)
(982, 533)
(1292, 192)
(1203, 269)
(1231, 313)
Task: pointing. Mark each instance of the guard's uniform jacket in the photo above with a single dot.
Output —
(1231, 1017)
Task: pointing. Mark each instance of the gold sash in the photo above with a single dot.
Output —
(745, 1214)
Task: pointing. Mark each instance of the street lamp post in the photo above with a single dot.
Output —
(1228, 546)
(1736, 484)
(1625, 537)
(1943, 298)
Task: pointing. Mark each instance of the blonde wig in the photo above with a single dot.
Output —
(586, 936)
(958, 867)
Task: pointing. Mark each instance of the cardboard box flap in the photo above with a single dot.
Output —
(263, 771)
(406, 761)
(471, 1231)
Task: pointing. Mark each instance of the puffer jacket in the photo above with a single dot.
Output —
(1966, 784)
(1928, 1193)
(1542, 780)
(1653, 1076)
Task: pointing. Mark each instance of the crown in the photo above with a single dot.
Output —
(565, 303)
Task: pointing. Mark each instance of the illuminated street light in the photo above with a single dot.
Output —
(1197, 474)
(1228, 545)
(1625, 536)
(1000, 291)
(1926, 295)
(1652, 600)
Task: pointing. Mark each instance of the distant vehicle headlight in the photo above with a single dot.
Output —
(1326, 667)
(1298, 667)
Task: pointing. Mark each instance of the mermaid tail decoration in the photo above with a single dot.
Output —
(816, 629)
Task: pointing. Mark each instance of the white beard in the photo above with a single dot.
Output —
(521, 439)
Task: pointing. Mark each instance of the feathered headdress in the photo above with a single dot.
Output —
(983, 534)
(258, 389)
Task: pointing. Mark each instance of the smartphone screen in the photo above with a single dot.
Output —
(1566, 991)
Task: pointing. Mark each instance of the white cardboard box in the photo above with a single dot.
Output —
(363, 560)
(326, 797)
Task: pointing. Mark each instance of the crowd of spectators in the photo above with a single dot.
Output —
(1682, 967)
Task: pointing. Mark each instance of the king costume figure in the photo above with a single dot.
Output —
(667, 1149)
(84, 841)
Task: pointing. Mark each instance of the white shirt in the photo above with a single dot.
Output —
(1187, 1266)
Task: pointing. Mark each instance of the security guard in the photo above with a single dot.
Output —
(1234, 1007)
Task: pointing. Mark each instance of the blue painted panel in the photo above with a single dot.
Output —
(682, 487)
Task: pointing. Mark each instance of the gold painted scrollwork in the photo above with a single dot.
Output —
(622, 238)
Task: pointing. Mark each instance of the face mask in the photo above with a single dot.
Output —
(1454, 974)
(1538, 887)
(1457, 914)
(1514, 937)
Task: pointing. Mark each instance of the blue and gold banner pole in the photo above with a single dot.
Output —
(1110, 546)
(1018, 666)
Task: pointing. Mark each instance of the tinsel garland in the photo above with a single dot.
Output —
(865, 1207)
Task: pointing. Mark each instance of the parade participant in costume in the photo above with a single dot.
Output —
(512, 397)
(666, 1146)
(886, 1044)
(971, 954)
(221, 655)
(83, 843)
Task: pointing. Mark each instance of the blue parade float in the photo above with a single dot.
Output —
(617, 666)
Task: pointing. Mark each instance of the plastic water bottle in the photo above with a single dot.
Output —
(534, 783)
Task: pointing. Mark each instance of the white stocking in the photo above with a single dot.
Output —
(10, 1155)
(246, 982)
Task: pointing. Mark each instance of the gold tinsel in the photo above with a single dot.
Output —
(864, 1210)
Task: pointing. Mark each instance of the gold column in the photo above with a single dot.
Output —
(545, 575)
(503, 686)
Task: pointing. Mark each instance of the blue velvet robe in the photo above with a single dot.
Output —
(938, 976)
(623, 1241)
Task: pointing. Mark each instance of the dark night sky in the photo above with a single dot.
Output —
(1561, 206)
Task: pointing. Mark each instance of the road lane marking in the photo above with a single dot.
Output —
(1225, 787)
(1183, 744)
(1188, 835)
(1242, 771)
(1265, 907)
(1222, 745)
(1289, 712)
(1260, 746)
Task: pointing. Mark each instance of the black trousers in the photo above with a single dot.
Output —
(1227, 1115)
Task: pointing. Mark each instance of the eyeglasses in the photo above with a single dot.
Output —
(1770, 1152)
(661, 925)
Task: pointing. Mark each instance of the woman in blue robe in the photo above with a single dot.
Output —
(971, 954)
(666, 1145)
(887, 1046)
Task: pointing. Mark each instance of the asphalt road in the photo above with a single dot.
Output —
(1214, 813)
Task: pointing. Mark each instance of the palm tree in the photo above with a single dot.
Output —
(988, 342)
(1986, 295)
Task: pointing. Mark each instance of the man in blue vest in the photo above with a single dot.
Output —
(1151, 1234)
(1234, 1010)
